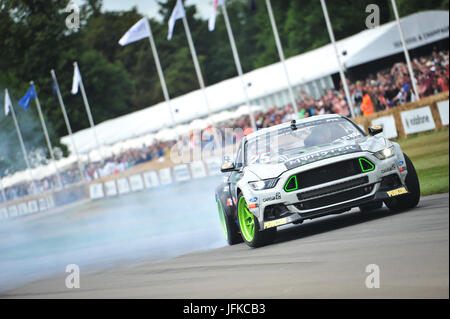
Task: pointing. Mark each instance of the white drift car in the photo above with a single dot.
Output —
(307, 169)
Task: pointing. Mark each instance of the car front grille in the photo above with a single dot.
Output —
(390, 182)
(334, 198)
(333, 188)
(329, 173)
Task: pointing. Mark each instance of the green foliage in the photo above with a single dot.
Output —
(406, 7)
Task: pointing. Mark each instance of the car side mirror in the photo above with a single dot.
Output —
(227, 167)
(375, 129)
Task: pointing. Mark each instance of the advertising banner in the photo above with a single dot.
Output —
(151, 179)
(96, 191)
(136, 183)
(181, 173)
(443, 111)
(110, 188)
(418, 120)
(123, 186)
(165, 176)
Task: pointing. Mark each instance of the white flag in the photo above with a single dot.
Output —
(8, 103)
(138, 31)
(212, 18)
(76, 79)
(177, 13)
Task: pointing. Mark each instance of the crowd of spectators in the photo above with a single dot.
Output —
(66, 177)
(381, 91)
(110, 165)
(126, 159)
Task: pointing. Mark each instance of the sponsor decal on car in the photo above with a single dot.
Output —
(398, 191)
(253, 199)
(314, 157)
(252, 206)
(389, 169)
(275, 223)
(273, 197)
(401, 166)
(229, 202)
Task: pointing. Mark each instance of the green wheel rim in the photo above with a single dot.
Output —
(246, 220)
(222, 219)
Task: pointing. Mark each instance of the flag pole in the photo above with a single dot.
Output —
(281, 54)
(66, 120)
(237, 61)
(22, 146)
(161, 74)
(3, 190)
(405, 50)
(88, 111)
(47, 138)
(196, 63)
(341, 69)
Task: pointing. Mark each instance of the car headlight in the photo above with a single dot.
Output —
(263, 184)
(386, 153)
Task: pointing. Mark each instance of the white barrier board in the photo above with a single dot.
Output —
(33, 206)
(12, 211)
(123, 186)
(110, 188)
(22, 208)
(136, 183)
(418, 120)
(3, 213)
(151, 179)
(96, 191)
(443, 111)
(165, 176)
(42, 204)
(50, 202)
(388, 124)
(214, 165)
(198, 169)
(181, 173)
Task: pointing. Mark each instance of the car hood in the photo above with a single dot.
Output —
(290, 161)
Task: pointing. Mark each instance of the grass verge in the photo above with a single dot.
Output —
(429, 153)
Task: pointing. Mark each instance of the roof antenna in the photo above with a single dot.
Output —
(293, 125)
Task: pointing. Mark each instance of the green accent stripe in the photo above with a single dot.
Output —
(361, 160)
(246, 220)
(289, 181)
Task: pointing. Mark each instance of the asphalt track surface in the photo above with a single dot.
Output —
(323, 258)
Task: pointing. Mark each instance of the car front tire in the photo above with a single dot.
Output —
(410, 200)
(249, 227)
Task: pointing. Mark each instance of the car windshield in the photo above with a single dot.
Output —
(281, 145)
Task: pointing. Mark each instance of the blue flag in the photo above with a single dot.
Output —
(25, 101)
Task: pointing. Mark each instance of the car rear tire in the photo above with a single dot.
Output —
(410, 200)
(229, 228)
(249, 227)
(371, 206)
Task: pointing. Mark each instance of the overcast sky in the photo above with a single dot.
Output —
(150, 7)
